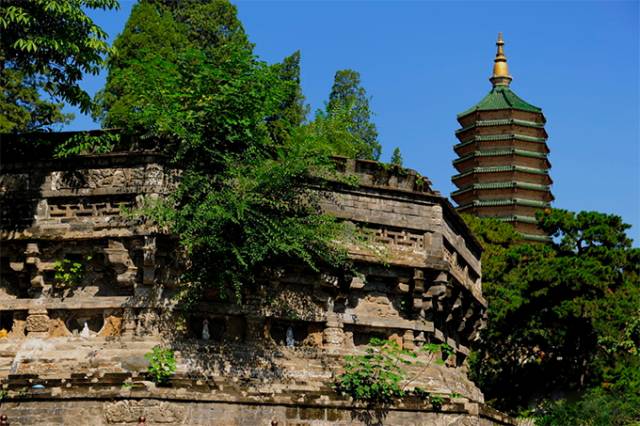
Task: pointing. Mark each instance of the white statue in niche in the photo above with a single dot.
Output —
(330, 304)
(205, 330)
(85, 331)
(290, 340)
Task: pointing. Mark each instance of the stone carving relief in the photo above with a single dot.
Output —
(95, 207)
(400, 239)
(112, 325)
(150, 175)
(37, 323)
(129, 411)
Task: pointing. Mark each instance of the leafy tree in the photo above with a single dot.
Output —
(332, 131)
(47, 46)
(349, 101)
(23, 109)
(396, 157)
(210, 24)
(242, 204)
(558, 312)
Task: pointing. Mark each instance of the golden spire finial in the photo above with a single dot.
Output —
(500, 75)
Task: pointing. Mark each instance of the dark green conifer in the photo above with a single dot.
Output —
(564, 317)
(293, 111)
(348, 98)
(396, 157)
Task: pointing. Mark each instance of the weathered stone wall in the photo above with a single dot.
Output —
(418, 281)
(163, 411)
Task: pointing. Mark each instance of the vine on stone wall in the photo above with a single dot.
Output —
(379, 376)
(69, 273)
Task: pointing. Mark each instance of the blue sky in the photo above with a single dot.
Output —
(423, 62)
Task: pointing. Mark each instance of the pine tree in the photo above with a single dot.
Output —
(396, 157)
(564, 316)
(144, 68)
(349, 98)
(293, 111)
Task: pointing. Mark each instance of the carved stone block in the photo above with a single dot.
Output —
(38, 323)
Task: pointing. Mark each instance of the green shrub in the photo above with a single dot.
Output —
(375, 377)
(69, 273)
(615, 402)
(436, 401)
(162, 364)
(378, 377)
(595, 408)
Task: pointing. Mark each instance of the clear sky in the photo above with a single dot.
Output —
(423, 62)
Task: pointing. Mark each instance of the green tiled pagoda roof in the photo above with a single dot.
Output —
(502, 122)
(518, 218)
(504, 137)
(531, 237)
(497, 138)
(501, 97)
(502, 185)
(499, 152)
(505, 202)
(497, 169)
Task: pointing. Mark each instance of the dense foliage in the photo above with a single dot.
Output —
(563, 316)
(46, 46)
(186, 75)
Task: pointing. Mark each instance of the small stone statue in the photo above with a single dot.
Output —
(205, 330)
(330, 304)
(85, 331)
(290, 340)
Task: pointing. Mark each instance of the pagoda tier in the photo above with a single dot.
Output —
(502, 164)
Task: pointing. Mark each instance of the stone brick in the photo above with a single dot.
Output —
(291, 412)
(311, 413)
(37, 323)
(334, 414)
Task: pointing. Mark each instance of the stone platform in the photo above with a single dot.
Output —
(271, 358)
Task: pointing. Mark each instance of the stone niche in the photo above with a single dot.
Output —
(360, 337)
(13, 324)
(220, 328)
(45, 323)
(303, 334)
(31, 269)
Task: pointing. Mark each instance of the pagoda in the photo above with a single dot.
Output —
(502, 164)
